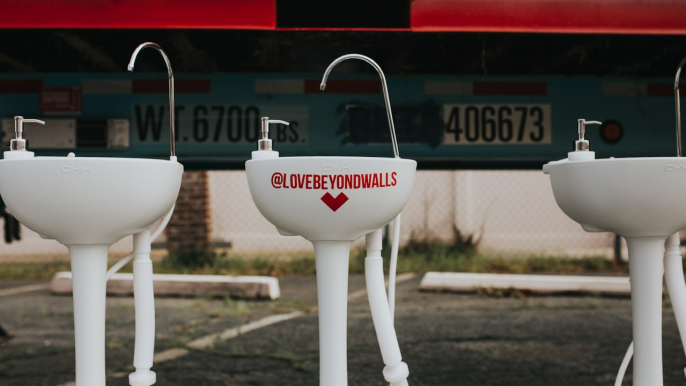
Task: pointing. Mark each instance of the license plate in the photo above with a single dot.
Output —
(471, 124)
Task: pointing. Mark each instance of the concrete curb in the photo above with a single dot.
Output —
(548, 284)
(244, 287)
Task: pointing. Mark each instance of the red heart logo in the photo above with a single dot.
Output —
(334, 203)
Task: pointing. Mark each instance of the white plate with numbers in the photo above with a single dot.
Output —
(500, 124)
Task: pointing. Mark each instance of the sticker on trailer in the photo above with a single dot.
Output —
(234, 124)
(497, 124)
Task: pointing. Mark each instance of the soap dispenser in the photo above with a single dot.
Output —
(264, 145)
(581, 146)
(19, 146)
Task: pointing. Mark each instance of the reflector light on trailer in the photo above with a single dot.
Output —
(611, 131)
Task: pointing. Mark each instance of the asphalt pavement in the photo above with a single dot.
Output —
(445, 338)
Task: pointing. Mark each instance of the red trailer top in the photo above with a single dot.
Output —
(168, 14)
(551, 16)
(641, 17)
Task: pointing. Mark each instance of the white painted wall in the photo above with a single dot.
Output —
(513, 211)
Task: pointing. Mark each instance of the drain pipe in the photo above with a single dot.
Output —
(674, 276)
(396, 371)
(144, 304)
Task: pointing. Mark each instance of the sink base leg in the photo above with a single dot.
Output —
(332, 295)
(89, 282)
(646, 271)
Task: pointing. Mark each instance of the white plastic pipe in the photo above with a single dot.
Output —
(332, 296)
(674, 276)
(126, 259)
(625, 364)
(89, 267)
(646, 269)
(144, 299)
(396, 371)
(394, 265)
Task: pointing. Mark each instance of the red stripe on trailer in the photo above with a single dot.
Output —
(663, 89)
(344, 87)
(161, 86)
(20, 86)
(550, 16)
(279, 86)
(510, 88)
(140, 14)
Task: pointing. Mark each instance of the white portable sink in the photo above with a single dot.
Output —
(333, 201)
(88, 204)
(639, 199)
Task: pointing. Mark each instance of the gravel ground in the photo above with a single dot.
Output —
(446, 339)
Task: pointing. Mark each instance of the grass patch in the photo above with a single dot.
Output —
(413, 258)
(421, 254)
(300, 263)
(32, 271)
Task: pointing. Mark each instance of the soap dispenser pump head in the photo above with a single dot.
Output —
(265, 143)
(582, 144)
(19, 143)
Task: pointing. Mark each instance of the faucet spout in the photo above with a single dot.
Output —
(384, 86)
(677, 106)
(172, 131)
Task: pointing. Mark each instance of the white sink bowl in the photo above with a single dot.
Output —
(632, 197)
(89, 200)
(345, 211)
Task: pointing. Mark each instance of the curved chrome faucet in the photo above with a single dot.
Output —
(171, 88)
(677, 105)
(383, 85)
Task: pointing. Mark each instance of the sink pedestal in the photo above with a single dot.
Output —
(332, 296)
(646, 271)
(89, 275)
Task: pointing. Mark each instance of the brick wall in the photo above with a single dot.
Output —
(189, 227)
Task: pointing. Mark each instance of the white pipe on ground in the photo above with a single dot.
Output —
(126, 259)
(625, 363)
(144, 300)
(396, 371)
(394, 265)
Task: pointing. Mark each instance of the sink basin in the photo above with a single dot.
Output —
(628, 196)
(330, 198)
(89, 200)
